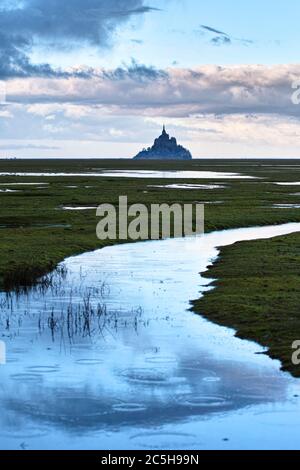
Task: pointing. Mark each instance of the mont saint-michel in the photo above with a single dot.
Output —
(164, 148)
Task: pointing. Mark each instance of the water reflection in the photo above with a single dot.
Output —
(106, 354)
(141, 174)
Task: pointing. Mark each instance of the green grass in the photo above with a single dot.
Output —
(258, 288)
(257, 293)
(29, 249)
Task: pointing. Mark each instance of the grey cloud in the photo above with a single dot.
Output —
(72, 23)
(143, 90)
(213, 30)
(135, 71)
(14, 61)
(28, 147)
(137, 41)
(135, 11)
(221, 38)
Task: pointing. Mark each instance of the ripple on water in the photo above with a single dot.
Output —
(164, 440)
(86, 407)
(204, 401)
(253, 395)
(145, 376)
(129, 407)
(89, 362)
(43, 369)
(205, 375)
(27, 377)
(161, 360)
(211, 379)
(30, 433)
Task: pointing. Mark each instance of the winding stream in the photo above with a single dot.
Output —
(106, 354)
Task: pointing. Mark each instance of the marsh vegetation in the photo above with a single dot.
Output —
(36, 236)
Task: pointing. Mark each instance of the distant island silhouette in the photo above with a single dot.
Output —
(164, 148)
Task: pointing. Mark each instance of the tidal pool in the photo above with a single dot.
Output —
(289, 183)
(174, 174)
(287, 206)
(23, 184)
(79, 208)
(143, 174)
(105, 354)
(190, 186)
(9, 191)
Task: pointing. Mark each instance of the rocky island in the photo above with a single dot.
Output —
(164, 148)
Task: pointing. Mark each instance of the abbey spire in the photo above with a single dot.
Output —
(164, 148)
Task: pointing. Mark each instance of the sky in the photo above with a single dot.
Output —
(99, 78)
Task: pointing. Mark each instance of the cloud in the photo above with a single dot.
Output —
(250, 131)
(135, 11)
(134, 72)
(148, 91)
(213, 30)
(137, 41)
(221, 38)
(28, 147)
(75, 23)
(245, 109)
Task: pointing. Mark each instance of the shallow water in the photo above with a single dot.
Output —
(287, 206)
(175, 174)
(190, 186)
(9, 191)
(144, 371)
(143, 174)
(23, 184)
(79, 208)
(290, 183)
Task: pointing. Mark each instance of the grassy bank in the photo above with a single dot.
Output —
(36, 233)
(257, 293)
